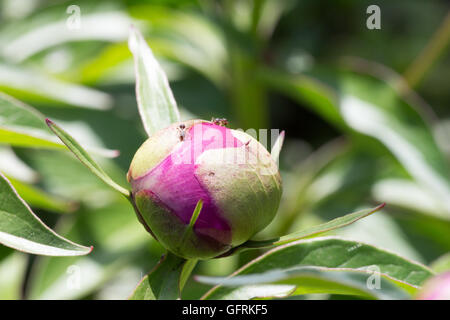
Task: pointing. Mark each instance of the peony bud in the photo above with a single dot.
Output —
(437, 288)
(231, 172)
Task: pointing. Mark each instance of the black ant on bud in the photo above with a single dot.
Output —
(182, 130)
(220, 121)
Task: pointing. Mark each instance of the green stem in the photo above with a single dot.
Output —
(163, 282)
(417, 70)
(188, 267)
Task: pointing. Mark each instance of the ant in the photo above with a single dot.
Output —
(181, 129)
(220, 121)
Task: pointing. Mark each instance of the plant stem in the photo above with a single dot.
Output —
(435, 47)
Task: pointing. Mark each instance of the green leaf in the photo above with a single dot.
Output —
(163, 282)
(276, 149)
(441, 264)
(12, 274)
(308, 280)
(99, 24)
(157, 106)
(23, 126)
(195, 214)
(372, 100)
(192, 39)
(374, 107)
(315, 230)
(120, 243)
(194, 217)
(21, 229)
(186, 272)
(408, 194)
(335, 254)
(383, 231)
(65, 177)
(84, 157)
(40, 199)
(34, 86)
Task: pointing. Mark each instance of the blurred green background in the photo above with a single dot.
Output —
(366, 115)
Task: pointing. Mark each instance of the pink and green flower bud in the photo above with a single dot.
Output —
(436, 288)
(231, 172)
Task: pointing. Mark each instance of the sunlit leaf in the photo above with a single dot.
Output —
(331, 225)
(40, 199)
(308, 280)
(156, 103)
(12, 275)
(365, 98)
(73, 277)
(39, 87)
(373, 108)
(11, 165)
(23, 126)
(119, 240)
(21, 229)
(333, 253)
(276, 149)
(104, 26)
(409, 194)
(190, 39)
(373, 102)
(383, 231)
